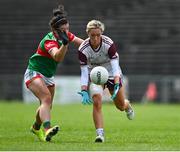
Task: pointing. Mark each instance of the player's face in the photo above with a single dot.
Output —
(95, 37)
(64, 27)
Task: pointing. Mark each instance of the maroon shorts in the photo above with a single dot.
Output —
(110, 84)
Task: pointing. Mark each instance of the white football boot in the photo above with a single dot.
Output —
(129, 112)
(100, 135)
(99, 138)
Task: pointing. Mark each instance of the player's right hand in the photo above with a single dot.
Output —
(116, 89)
(85, 97)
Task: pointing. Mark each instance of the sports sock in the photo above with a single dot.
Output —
(36, 126)
(46, 125)
(100, 131)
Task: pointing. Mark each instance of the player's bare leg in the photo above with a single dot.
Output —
(52, 91)
(123, 104)
(40, 90)
(50, 132)
(38, 122)
(98, 117)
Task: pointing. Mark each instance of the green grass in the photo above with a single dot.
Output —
(156, 127)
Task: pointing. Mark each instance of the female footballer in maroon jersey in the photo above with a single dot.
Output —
(39, 76)
(100, 50)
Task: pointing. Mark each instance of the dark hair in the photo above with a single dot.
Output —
(59, 17)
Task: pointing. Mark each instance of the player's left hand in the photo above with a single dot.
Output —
(63, 36)
(116, 89)
(85, 97)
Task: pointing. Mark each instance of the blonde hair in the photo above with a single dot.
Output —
(94, 24)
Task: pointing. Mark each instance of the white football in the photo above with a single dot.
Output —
(99, 75)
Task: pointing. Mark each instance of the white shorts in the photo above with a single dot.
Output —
(31, 75)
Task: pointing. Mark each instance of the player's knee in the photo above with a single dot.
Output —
(47, 99)
(95, 89)
(97, 101)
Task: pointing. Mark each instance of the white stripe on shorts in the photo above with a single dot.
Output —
(30, 74)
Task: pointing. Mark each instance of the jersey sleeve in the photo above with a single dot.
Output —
(71, 36)
(84, 75)
(112, 52)
(49, 44)
(82, 58)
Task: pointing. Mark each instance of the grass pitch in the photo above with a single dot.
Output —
(155, 127)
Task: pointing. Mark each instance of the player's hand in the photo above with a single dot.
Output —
(116, 89)
(85, 97)
(63, 36)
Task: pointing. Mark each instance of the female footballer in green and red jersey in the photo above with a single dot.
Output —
(39, 75)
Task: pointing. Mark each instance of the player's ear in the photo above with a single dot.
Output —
(88, 33)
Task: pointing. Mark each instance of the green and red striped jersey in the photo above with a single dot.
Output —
(42, 61)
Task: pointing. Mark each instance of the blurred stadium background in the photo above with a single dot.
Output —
(146, 32)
